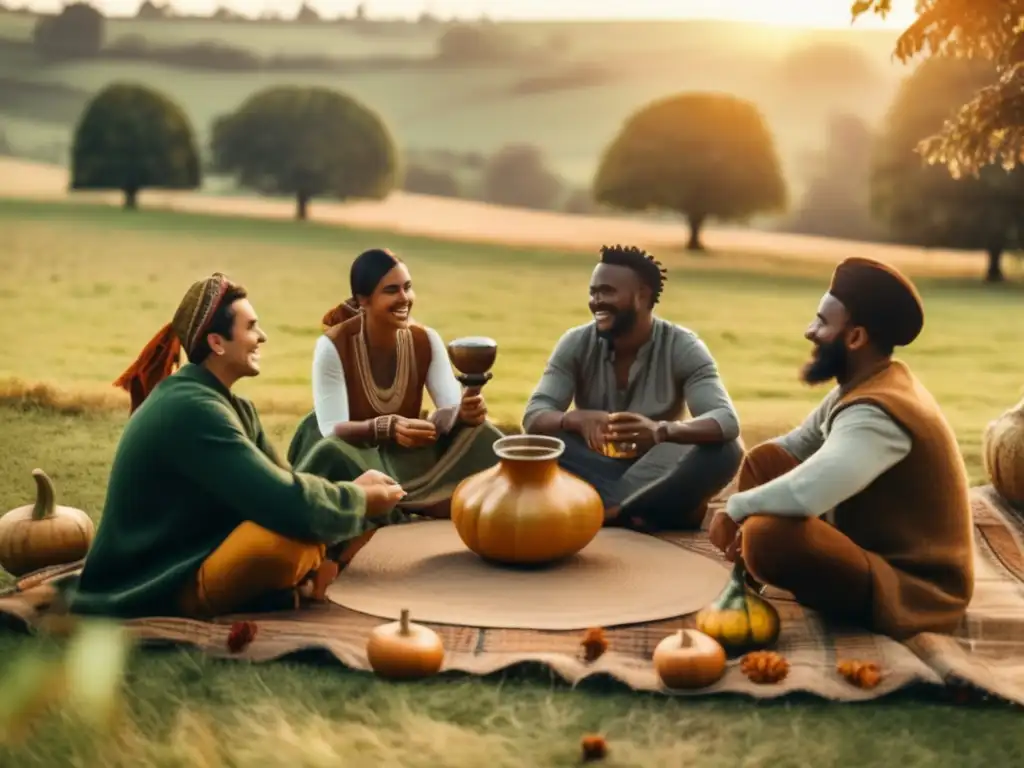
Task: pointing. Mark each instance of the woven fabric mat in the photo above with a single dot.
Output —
(987, 652)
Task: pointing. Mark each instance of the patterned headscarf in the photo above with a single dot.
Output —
(161, 355)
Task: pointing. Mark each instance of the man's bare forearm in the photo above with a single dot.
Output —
(547, 423)
(695, 432)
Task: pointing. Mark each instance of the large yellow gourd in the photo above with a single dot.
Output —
(740, 619)
(526, 509)
(43, 534)
(1003, 453)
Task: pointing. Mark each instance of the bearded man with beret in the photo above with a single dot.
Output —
(862, 512)
(202, 518)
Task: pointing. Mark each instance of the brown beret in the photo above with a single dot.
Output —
(880, 298)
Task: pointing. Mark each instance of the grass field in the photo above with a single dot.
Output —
(114, 293)
(84, 288)
(472, 109)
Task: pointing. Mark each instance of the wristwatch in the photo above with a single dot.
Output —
(661, 433)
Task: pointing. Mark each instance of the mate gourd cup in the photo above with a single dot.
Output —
(473, 357)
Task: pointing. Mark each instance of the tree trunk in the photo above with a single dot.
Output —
(301, 206)
(995, 266)
(696, 221)
(131, 199)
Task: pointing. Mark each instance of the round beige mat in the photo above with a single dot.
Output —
(621, 577)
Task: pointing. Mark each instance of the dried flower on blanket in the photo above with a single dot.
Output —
(764, 667)
(242, 633)
(594, 644)
(594, 747)
(863, 674)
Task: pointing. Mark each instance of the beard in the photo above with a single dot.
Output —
(829, 361)
(623, 321)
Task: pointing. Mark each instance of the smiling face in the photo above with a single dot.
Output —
(239, 355)
(617, 296)
(392, 299)
(829, 333)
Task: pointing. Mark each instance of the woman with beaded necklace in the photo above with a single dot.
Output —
(370, 369)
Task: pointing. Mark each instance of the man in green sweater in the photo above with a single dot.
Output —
(202, 518)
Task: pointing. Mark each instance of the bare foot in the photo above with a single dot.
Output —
(316, 588)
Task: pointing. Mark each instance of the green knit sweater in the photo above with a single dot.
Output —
(192, 464)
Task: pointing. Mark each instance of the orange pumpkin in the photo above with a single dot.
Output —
(404, 651)
(689, 659)
(1004, 454)
(43, 534)
(526, 509)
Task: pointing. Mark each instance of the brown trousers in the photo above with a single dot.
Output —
(252, 563)
(821, 567)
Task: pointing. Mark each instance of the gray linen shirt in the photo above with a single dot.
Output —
(673, 372)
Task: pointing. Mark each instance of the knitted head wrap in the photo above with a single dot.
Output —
(161, 355)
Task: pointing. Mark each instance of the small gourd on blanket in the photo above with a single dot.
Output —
(1004, 454)
(401, 650)
(739, 618)
(43, 534)
(689, 659)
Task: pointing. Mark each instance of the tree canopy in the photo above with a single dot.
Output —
(836, 199)
(988, 127)
(701, 155)
(923, 204)
(517, 175)
(76, 32)
(130, 138)
(307, 142)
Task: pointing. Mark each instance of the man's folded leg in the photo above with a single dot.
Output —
(823, 568)
(253, 569)
(670, 486)
(598, 470)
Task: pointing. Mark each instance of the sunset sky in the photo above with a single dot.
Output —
(819, 13)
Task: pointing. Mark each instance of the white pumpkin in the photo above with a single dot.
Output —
(1003, 452)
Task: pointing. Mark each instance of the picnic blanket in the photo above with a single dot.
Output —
(985, 654)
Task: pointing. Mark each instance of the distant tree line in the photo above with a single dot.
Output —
(700, 156)
(133, 138)
(78, 31)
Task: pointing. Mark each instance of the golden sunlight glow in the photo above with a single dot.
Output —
(801, 13)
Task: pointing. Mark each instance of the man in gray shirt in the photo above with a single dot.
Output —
(632, 375)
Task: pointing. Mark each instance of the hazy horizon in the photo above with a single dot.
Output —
(803, 13)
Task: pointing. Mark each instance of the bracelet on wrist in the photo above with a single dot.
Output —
(383, 428)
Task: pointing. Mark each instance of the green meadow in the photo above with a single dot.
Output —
(88, 286)
(85, 287)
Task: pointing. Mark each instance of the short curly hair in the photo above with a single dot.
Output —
(646, 267)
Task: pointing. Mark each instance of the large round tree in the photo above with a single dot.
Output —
(131, 138)
(306, 142)
(923, 204)
(701, 155)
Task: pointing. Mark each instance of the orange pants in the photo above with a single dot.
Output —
(823, 568)
(251, 563)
